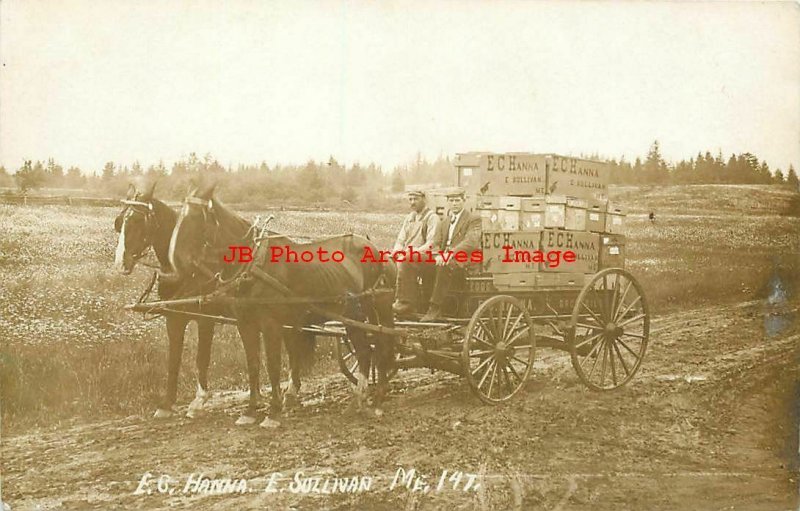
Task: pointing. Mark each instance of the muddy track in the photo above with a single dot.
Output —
(708, 423)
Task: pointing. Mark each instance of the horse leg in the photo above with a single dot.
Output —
(273, 342)
(176, 329)
(364, 355)
(205, 333)
(250, 334)
(291, 398)
(381, 314)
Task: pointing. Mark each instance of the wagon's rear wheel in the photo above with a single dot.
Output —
(499, 349)
(348, 363)
(610, 328)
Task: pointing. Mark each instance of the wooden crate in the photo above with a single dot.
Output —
(521, 174)
(585, 245)
(575, 177)
(615, 219)
(490, 219)
(508, 219)
(575, 214)
(612, 251)
(596, 216)
(492, 243)
(555, 211)
(552, 279)
(532, 214)
(515, 281)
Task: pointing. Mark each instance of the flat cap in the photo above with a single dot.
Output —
(416, 193)
(455, 192)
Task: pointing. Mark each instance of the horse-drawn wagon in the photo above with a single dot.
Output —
(496, 317)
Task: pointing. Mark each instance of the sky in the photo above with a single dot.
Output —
(86, 82)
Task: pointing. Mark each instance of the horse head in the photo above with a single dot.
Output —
(136, 225)
(204, 231)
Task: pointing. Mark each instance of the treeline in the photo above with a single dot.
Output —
(744, 168)
(328, 184)
(331, 184)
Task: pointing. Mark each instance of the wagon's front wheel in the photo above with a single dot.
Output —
(348, 363)
(499, 349)
(609, 330)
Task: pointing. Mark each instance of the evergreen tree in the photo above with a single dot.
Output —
(398, 183)
(778, 179)
(108, 171)
(791, 179)
(30, 177)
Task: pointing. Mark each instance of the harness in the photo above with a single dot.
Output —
(134, 207)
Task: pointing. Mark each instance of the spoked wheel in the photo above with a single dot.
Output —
(348, 363)
(610, 329)
(499, 349)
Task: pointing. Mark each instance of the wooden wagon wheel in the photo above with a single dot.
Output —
(348, 363)
(499, 348)
(609, 330)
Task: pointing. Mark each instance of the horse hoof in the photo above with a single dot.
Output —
(195, 409)
(268, 423)
(245, 420)
(163, 413)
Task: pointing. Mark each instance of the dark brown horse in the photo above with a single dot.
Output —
(201, 239)
(147, 222)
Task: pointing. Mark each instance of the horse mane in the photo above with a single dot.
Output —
(230, 220)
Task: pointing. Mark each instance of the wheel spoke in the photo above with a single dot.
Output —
(525, 362)
(611, 360)
(525, 330)
(514, 372)
(621, 359)
(488, 370)
(505, 323)
(631, 320)
(588, 339)
(491, 381)
(628, 348)
(480, 353)
(630, 305)
(593, 314)
(513, 327)
(590, 327)
(622, 300)
(593, 350)
(485, 329)
(507, 379)
(638, 336)
(486, 361)
(603, 370)
(596, 359)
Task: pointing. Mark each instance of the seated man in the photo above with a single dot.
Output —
(460, 232)
(419, 232)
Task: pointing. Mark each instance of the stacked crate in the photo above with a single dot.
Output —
(542, 202)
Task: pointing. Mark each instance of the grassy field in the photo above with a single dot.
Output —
(69, 352)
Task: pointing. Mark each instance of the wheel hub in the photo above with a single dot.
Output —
(612, 331)
(501, 352)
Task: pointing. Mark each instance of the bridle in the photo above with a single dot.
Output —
(209, 251)
(133, 207)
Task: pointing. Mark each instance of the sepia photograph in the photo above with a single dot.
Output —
(353, 255)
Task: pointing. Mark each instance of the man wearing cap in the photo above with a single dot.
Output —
(419, 231)
(461, 231)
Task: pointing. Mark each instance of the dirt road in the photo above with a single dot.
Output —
(709, 423)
